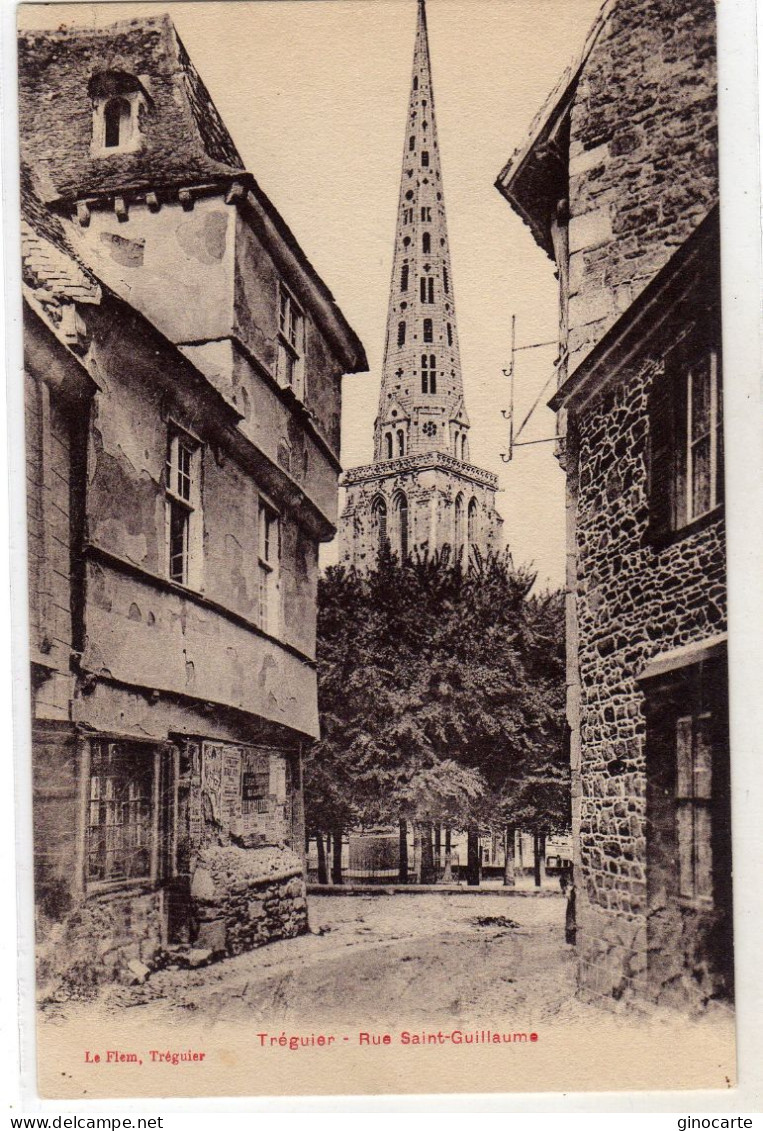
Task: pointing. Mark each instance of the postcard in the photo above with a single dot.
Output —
(376, 547)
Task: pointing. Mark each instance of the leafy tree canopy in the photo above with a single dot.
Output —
(441, 692)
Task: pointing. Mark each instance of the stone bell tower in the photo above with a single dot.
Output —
(421, 492)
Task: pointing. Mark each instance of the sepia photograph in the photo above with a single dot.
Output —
(376, 546)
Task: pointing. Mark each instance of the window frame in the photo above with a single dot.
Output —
(291, 339)
(688, 802)
(183, 503)
(672, 512)
(713, 434)
(129, 752)
(132, 140)
(268, 566)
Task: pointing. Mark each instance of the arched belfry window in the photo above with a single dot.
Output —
(388, 444)
(428, 330)
(471, 532)
(400, 335)
(400, 442)
(379, 511)
(463, 446)
(401, 519)
(426, 243)
(119, 102)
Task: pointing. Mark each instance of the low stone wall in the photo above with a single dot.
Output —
(108, 937)
(245, 897)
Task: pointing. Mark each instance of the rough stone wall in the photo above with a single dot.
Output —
(633, 601)
(97, 941)
(643, 155)
(244, 898)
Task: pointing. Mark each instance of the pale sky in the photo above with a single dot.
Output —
(314, 94)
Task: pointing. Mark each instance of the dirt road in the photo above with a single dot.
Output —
(376, 959)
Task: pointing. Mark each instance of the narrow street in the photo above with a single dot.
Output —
(381, 960)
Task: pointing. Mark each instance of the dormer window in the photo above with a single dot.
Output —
(119, 102)
(117, 123)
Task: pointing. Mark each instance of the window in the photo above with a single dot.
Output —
(400, 335)
(407, 215)
(119, 104)
(183, 507)
(117, 123)
(426, 243)
(291, 339)
(426, 288)
(268, 553)
(430, 429)
(704, 436)
(379, 510)
(404, 277)
(411, 143)
(426, 215)
(463, 446)
(693, 806)
(424, 158)
(450, 334)
(428, 373)
(401, 508)
(415, 82)
(120, 825)
(400, 442)
(428, 330)
(445, 280)
(388, 444)
(458, 524)
(686, 438)
(471, 528)
(255, 792)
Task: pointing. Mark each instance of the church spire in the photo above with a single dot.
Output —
(421, 494)
(421, 406)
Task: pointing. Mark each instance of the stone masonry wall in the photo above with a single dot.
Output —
(244, 898)
(431, 496)
(633, 601)
(97, 942)
(643, 156)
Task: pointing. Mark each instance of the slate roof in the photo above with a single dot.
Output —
(184, 139)
(49, 264)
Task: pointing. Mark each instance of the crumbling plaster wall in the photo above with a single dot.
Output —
(174, 266)
(138, 631)
(257, 280)
(643, 169)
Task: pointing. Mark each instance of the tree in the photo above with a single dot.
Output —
(441, 695)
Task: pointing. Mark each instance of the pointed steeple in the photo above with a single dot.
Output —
(421, 494)
(421, 405)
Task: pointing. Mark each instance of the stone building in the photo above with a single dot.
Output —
(421, 493)
(618, 183)
(183, 365)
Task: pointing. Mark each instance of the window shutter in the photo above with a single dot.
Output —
(662, 453)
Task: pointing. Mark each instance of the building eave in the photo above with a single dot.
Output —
(643, 318)
(332, 322)
(526, 174)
